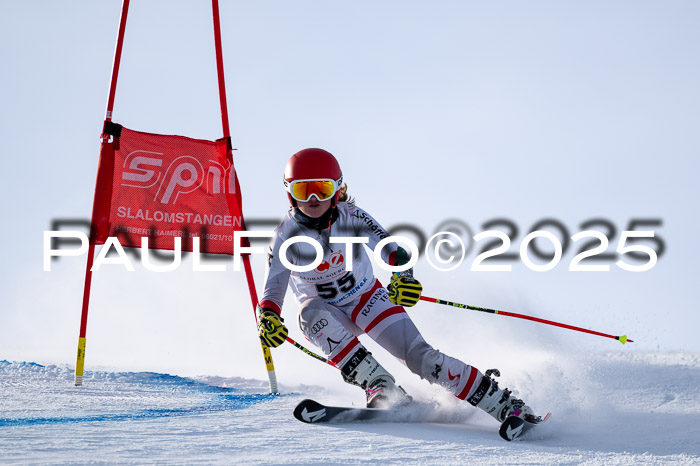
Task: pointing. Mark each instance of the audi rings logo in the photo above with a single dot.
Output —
(318, 326)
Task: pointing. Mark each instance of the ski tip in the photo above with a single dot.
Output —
(309, 411)
(311, 404)
(515, 428)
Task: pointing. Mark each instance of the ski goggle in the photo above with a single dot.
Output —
(302, 190)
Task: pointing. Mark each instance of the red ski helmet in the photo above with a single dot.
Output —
(313, 164)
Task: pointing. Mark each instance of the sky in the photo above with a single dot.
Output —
(584, 113)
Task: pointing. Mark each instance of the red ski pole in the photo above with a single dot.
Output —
(621, 338)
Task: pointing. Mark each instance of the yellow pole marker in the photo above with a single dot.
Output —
(80, 363)
(270, 369)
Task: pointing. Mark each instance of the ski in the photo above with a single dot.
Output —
(313, 412)
(514, 427)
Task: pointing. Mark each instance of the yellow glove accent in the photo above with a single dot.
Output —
(404, 290)
(271, 329)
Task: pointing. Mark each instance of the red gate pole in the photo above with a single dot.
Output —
(224, 122)
(80, 362)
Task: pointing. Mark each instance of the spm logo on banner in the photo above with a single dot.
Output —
(185, 174)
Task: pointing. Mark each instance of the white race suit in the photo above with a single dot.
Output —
(336, 304)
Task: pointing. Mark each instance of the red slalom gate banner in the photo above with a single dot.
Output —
(164, 187)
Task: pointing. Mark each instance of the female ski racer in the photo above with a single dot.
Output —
(336, 304)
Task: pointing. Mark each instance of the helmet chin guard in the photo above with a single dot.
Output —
(313, 164)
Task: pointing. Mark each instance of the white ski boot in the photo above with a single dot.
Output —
(499, 403)
(380, 387)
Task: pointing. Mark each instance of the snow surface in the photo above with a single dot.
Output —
(608, 408)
